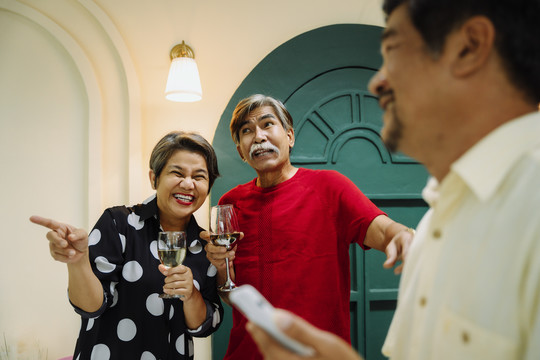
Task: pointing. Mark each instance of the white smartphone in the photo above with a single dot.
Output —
(258, 310)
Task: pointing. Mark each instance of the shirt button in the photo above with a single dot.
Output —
(465, 337)
(437, 234)
(423, 301)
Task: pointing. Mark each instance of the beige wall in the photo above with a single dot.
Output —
(81, 106)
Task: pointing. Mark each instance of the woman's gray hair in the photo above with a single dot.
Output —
(179, 140)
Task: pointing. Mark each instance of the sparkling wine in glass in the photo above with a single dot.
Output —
(224, 231)
(172, 252)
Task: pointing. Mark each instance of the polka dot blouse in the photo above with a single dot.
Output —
(133, 322)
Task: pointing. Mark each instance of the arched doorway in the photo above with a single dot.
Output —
(322, 78)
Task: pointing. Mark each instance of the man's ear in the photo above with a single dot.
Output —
(472, 45)
(152, 177)
(240, 153)
(290, 134)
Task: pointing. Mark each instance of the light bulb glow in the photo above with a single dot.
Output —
(183, 83)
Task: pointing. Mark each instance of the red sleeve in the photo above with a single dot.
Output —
(356, 211)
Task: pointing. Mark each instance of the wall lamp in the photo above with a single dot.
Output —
(183, 83)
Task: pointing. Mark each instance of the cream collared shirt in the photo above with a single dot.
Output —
(471, 285)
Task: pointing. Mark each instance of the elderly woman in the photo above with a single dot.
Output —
(115, 276)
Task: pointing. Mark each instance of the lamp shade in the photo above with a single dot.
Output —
(183, 83)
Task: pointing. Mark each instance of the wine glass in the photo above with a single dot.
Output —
(224, 231)
(172, 252)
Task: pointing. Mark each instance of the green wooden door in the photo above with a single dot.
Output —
(322, 78)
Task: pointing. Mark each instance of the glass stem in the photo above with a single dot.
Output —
(228, 281)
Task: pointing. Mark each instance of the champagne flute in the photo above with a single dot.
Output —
(224, 231)
(172, 252)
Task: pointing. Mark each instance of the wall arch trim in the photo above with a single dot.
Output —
(133, 91)
(95, 105)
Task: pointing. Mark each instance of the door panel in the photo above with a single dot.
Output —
(381, 285)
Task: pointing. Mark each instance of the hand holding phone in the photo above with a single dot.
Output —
(258, 310)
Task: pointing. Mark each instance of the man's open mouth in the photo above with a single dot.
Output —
(261, 152)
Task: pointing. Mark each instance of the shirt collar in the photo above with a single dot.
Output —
(148, 208)
(486, 164)
(430, 193)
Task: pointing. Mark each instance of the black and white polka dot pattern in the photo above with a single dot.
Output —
(133, 322)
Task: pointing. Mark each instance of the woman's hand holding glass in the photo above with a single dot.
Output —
(178, 282)
(172, 249)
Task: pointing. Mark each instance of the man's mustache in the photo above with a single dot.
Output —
(266, 146)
